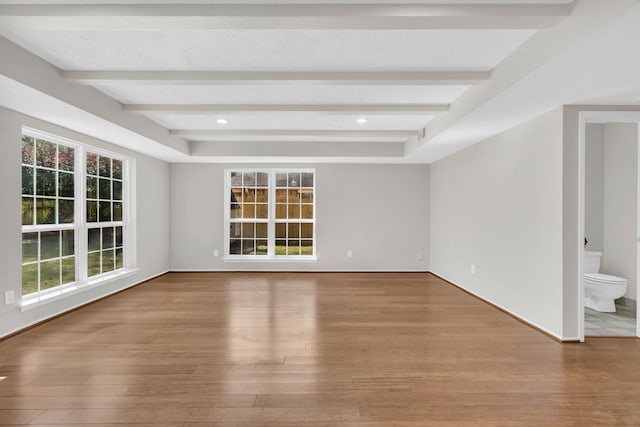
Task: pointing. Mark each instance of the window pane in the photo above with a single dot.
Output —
(117, 190)
(249, 195)
(236, 195)
(29, 247)
(281, 196)
(249, 179)
(45, 154)
(262, 195)
(281, 247)
(306, 247)
(248, 211)
(117, 211)
(281, 210)
(294, 179)
(92, 187)
(107, 238)
(306, 230)
(65, 211)
(104, 166)
(261, 247)
(281, 180)
(45, 182)
(262, 211)
(27, 211)
(248, 230)
(235, 230)
(92, 211)
(94, 239)
(294, 211)
(281, 231)
(93, 264)
(27, 180)
(50, 274)
(306, 179)
(307, 211)
(68, 242)
(236, 179)
(104, 212)
(293, 247)
(49, 244)
(29, 279)
(263, 179)
(118, 236)
(45, 211)
(65, 158)
(27, 150)
(108, 261)
(294, 229)
(247, 246)
(92, 164)
(306, 196)
(236, 211)
(235, 246)
(65, 184)
(68, 270)
(105, 188)
(117, 169)
(261, 230)
(119, 259)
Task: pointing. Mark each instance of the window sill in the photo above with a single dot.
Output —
(270, 259)
(75, 288)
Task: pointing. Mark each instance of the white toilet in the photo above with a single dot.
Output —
(600, 289)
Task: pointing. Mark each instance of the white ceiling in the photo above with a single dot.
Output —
(379, 64)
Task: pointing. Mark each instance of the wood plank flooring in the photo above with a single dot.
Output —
(296, 349)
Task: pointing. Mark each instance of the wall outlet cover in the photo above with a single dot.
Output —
(9, 297)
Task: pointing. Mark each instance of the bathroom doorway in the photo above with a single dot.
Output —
(611, 208)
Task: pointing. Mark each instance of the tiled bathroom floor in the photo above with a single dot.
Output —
(622, 323)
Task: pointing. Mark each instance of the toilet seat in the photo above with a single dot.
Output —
(605, 279)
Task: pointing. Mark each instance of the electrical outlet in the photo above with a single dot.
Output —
(349, 253)
(215, 252)
(9, 297)
(473, 269)
(420, 256)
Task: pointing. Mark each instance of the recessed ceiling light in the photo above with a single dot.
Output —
(362, 120)
(222, 121)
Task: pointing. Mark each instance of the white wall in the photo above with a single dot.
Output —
(152, 231)
(498, 205)
(594, 187)
(620, 202)
(380, 212)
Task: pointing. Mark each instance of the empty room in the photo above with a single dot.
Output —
(323, 213)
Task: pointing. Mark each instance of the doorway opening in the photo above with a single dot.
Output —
(610, 215)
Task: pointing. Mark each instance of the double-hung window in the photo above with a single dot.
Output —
(270, 214)
(74, 215)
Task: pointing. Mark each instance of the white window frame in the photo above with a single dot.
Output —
(81, 226)
(271, 219)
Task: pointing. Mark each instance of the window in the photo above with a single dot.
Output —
(270, 214)
(73, 215)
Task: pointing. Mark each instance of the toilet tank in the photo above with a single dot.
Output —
(592, 261)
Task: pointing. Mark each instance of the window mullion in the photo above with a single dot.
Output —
(271, 228)
(81, 215)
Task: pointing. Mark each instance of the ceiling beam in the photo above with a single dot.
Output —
(217, 133)
(212, 78)
(268, 17)
(265, 109)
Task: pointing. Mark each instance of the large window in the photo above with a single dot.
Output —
(270, 214)
(73, 215)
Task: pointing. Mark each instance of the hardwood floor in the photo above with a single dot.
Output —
(328, 349)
